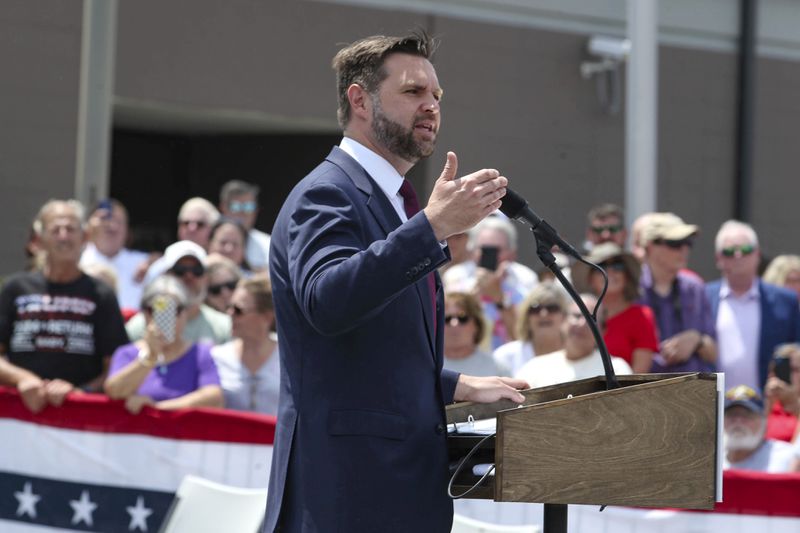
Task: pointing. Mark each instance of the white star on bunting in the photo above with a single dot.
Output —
(27, 501)
(83, 509)
(139, 515)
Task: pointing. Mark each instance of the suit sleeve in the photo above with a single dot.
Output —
(340, 278)
(448, 380)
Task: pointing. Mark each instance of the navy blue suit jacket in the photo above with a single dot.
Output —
(360, 444)
(780, 321)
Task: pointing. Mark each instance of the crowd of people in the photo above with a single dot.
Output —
(195, 325)
(656, 316)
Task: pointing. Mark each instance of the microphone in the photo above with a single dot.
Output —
(514, 206)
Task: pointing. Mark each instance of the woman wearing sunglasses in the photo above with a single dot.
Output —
(629, 328)
(163, 369)
(539, 321)
(223, 275)
(249, 364)
(464, 330)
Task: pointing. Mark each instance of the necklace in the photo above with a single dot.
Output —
(161, 362)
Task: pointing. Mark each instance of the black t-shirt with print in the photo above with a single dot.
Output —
(60, 330)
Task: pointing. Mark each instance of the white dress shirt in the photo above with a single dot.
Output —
(738, 331)
(384, 174)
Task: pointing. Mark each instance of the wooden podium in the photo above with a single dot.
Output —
(652, 442)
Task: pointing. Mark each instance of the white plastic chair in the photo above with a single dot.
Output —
(462, 524)
(203, 506)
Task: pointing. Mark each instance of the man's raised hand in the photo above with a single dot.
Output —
(457, 204)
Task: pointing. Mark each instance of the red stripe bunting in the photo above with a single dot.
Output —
(98, 413)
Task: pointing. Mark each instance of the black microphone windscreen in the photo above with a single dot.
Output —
(513, 204)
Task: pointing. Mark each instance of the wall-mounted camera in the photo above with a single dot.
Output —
(611, 52)
(609, 47)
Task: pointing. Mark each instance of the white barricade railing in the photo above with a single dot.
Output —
(91, 465)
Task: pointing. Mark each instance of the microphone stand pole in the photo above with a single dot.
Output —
(555, 514)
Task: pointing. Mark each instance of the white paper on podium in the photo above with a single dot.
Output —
(486, 426)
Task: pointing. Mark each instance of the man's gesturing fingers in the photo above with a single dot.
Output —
(450, 168)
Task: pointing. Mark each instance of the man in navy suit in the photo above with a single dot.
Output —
(360, 444)
(752, 317)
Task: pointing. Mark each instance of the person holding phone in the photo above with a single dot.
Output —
(163, 369)
(108, 236)
(494, 276)
(782, 392)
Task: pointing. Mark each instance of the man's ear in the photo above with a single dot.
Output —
(360, 102)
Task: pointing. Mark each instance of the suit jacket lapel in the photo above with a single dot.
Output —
(387, 218)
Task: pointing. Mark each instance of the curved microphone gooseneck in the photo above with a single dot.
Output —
(515, 207)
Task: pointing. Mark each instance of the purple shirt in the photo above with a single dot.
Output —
(686, 307)
(192, 370)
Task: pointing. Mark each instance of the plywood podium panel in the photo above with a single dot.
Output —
(651, 442)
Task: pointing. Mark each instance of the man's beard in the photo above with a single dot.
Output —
(397, 139)
(745, 442)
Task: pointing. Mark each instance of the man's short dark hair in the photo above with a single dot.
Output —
(237, 188)
(605, 211)
(362, 63)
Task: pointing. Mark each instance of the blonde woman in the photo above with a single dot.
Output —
(539, 320)
(784, 271)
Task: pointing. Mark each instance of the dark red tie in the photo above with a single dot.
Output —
(411, 207)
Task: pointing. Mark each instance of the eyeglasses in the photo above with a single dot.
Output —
(199, 223)
(674, 244)
(242, 207)
(460, 319)
(744, 249)
(216, 289)
(550, 308)
(196, 270)
(617, 265)
(611, 228)
(238, 311)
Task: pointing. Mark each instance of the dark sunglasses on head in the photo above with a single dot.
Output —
(462, 319)
(198, 223)
(611, 228)
(196, 270)
(216, 289)
(745, 249)
(674, 244)
(550, 308)
(617, 265)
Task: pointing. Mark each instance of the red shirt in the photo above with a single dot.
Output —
(781, 425)
(633, 328)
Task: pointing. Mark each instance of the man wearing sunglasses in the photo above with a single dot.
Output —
(186, 261)
(751, 317)
(678, 299)
(239, 200)
(606, 223)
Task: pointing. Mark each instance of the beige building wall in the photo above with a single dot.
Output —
(514, 99)
(40, 50)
